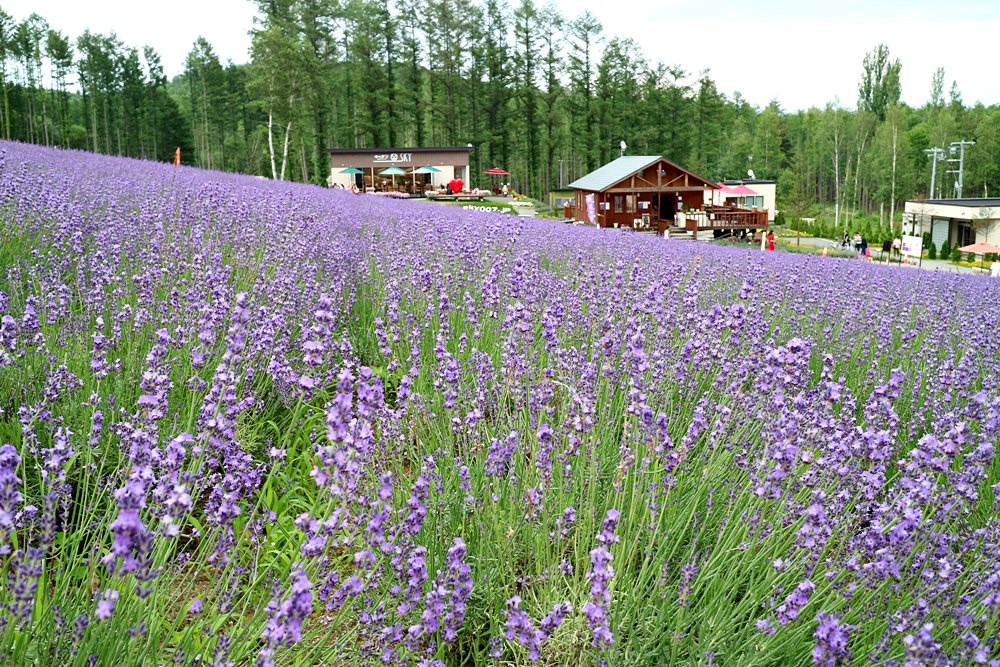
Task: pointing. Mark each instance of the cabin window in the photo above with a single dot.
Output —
(630, 203)
(618, 203)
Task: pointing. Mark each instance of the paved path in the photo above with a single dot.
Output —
(926, 264)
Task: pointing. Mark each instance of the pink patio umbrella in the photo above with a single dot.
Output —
(981, 249)
(743, 192)
(722, 188)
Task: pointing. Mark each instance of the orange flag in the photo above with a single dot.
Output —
(177, 156)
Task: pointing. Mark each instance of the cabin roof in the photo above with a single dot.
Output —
(614, 171)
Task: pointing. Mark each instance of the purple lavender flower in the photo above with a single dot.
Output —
(831, 641)
(106, 606)
(499, 456)
(789, 610)
(518, 627)
(284, 627)
(10, 491)
(459, 582)
(600, 573)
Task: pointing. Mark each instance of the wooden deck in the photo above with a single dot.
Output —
(724, 217)
(467, 196)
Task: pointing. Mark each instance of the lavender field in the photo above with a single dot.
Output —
(256, 423)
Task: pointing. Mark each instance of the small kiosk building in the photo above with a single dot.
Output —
(649, 192)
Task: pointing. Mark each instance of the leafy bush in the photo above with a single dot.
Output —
(956, 255)
(945, 250)
(931, 251)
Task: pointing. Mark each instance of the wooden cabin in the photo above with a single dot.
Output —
(651, 193)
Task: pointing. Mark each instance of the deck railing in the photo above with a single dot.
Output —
(724, 217)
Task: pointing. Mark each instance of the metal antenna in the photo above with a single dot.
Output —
(961, 160)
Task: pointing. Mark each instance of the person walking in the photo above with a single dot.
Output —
(770, 240)
(846, 241)
(857, 244)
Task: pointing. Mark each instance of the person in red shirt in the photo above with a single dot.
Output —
(770, 240)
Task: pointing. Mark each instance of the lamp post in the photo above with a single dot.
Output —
(623, 146)
(471, 150)
(936, 154)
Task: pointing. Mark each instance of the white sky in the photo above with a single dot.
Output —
(801, 53)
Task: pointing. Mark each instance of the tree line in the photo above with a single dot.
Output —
(547, 96)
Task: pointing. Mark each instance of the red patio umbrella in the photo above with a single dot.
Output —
(497, 171)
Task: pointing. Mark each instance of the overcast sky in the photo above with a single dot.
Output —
(801, 53)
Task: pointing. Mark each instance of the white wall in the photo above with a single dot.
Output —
(445, 175)
(989, 233)
(336, 178)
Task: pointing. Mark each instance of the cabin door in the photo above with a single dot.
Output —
(666, 206)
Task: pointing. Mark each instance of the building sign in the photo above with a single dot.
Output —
(912, 246)
(405, 158)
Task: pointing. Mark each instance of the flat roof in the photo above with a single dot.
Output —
(968, 202)
(442, 149)
(749, 181)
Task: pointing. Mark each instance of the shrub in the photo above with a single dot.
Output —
(956, 255)
(971, 257)
(945, 250)
(931, 251)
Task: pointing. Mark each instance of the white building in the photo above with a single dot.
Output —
(363, 166)
(961, 222)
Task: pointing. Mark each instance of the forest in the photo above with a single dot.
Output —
(547, 96)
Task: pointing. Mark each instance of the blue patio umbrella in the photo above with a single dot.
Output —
(426, 170)
(353, 171)
(392, 171)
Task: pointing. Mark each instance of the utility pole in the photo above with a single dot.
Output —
(936, 154)
(960, 145)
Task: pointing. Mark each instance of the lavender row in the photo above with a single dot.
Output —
(248, 422)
